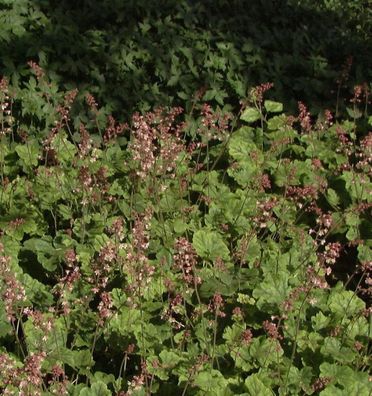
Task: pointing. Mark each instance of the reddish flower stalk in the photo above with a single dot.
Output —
(185, 260)
(39, 72)
(272, 330)
(258, 92)
(304, 118)
(156, 140)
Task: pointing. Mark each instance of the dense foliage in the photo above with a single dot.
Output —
(134, 54)
(218, 240)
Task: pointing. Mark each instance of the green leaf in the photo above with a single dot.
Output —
(98, 389)
(253, 250)
(46, 254)
(256, 387)
(116, 189)
(64, 211)
(28, 153)
(345, 303)
(37, 292)
(273, 107)
(332, 348)
(209, 381)
(320, 321)
(210, 245)
(352, 219)
(5, 327)
(169, 359)
(332, 390)
(296, 380)
(364, 253)
(65, 151)
(29, 226)
(100, 241)
(99, 376)
(277, 122)
(261, 351)
(82, 358)
(272, 291)
(244, 150)
(353, 382)
(354, 113)
(352, 233)
(332, 197)
(251, 114)
(179, 226)
(233, 334)
(357, 383)
(357, 186)
(209, 287)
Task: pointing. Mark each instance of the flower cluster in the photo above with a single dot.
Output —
(315, 280)
(40, 321)
(345, 72)
(13, 294)
(246, 337)
(85, 178)
(265, 215)
(324, 121)
(136, 384)
(9, 372)
(320, 383)
(113, 130)
(364, 155)
(174, 308)
(258, 92)
(39, 72)
(6, 119)
(331, 253)
(214, 124)
(324, 223)
(185, 260)
(91, 101)
(272, 330)
(346, 146)
(361, 92)
(33, 377)
(304, 118)
(117, 229)
(265, 183)
(95, 185)
(65, 109)
(64, 118)
(156, 140)
(136, 263)
(68, 280)
(365, 269)
(104, 265)
(140, 231)
(59, 382)
(85, 143)
(216, 305)
(104, 308)
(142, 146)
(200, 361)
(28, 379)
(300, 195)
(237, 314)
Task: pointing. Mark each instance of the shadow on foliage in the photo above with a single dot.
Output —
(136, 54)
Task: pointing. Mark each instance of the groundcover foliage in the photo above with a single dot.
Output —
(218, 248)
(135, 54)
(227, 255)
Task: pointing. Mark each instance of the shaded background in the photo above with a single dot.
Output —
(134, 55)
